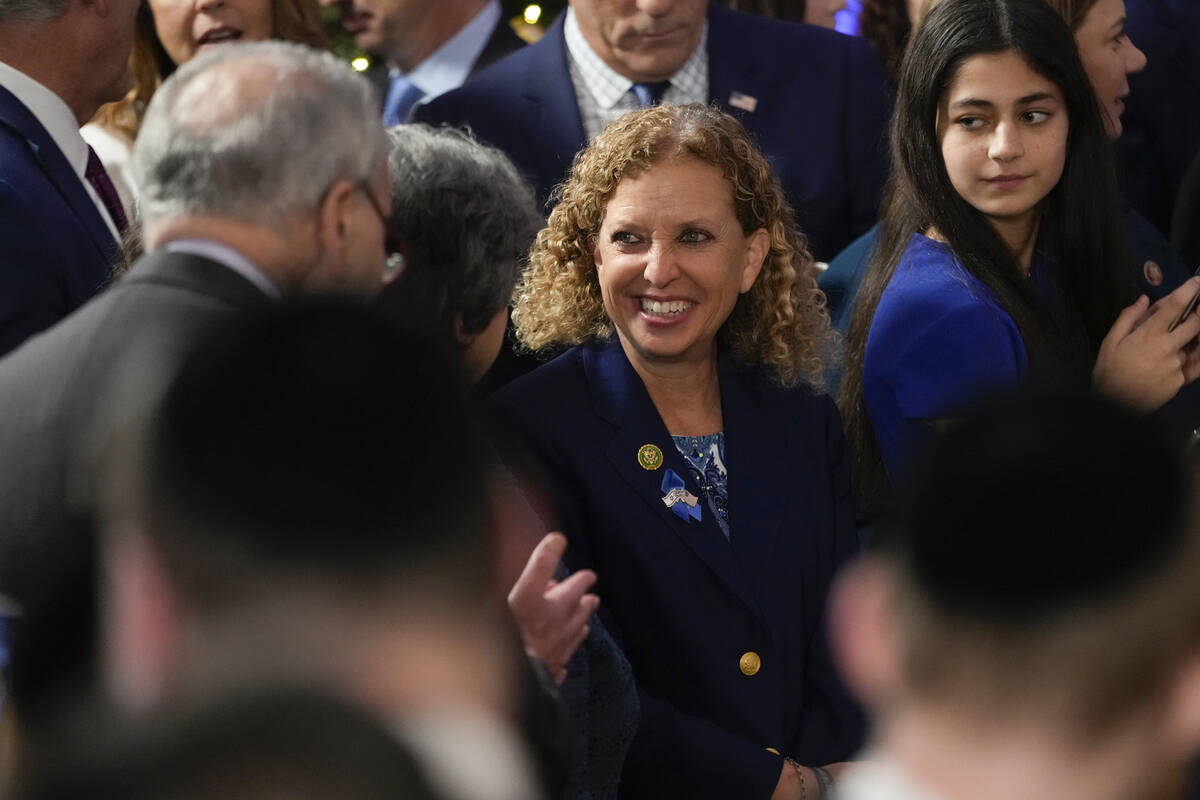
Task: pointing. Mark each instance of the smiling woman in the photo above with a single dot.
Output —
(693, 464)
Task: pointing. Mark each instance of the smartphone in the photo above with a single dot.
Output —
(1188, 309)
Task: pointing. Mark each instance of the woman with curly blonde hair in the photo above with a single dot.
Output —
(691, 461)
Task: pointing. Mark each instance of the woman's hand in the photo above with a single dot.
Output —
(1140, 363)
(789, 785)
(552, 616)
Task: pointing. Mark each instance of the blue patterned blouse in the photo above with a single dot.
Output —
(705, 458)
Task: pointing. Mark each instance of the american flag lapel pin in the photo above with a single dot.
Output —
(743, 101)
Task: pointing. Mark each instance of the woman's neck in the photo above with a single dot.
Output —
(686, 395)
(1019, 234)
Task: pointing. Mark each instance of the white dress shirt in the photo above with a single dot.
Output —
(59, 121)
(226, 255)
(878, 778)
(467, 755)
(449, 66)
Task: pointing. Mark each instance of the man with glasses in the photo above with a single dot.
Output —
(265, 176)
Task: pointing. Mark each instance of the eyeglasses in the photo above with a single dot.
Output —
(397, 253)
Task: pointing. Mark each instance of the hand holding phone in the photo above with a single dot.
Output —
(1188, 309)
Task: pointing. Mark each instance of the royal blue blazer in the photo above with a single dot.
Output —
(821, 106)
(57, 251)
(685, 604)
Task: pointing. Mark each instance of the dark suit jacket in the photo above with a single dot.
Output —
(53, 390)
(502, 42)
(1162, 120)
(686, 604)
(821, 114)
(55, 249)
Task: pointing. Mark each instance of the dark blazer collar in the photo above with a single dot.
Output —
(556, 120)
(1182, 48)
(14, 115)
(502, 42)
(733, 65)
(756, 457)
(198, 274)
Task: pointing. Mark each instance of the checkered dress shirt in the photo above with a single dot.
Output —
(604, 95)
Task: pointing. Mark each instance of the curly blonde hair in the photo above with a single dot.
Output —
(781, 324)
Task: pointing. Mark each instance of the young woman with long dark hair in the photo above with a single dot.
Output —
(1000, 256)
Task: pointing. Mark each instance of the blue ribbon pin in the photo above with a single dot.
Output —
(678, 499)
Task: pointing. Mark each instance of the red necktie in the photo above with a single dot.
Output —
(98, 178)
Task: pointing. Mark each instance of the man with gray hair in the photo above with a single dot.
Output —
(60, 218)
(264, 174)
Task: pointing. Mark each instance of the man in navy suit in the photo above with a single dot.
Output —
(429, 47)
(60, 219)
(815, 100)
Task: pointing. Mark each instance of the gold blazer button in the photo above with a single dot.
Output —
(750, 663)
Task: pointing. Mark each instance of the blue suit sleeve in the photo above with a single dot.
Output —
(833, 723)
(31, 295)
(676, 754)
(952, 358)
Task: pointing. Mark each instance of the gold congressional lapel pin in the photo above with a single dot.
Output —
(649, 457)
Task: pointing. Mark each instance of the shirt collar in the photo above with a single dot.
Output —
(607, 86)
(227, 256)
(52, 112)
(449, 66)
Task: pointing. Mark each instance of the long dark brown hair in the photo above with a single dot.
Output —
(1079, 231)
(886, 27)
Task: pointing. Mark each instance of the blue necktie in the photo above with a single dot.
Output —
(650, 94)
(402, 95)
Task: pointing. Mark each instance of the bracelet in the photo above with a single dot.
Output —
(826, 782)
(800, 775)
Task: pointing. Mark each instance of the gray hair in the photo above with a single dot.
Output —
(466, 218)
(31, 10)
(257, 132)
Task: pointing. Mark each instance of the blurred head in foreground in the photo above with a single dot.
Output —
(1031, 612)
(280, 744)
(307, 504)
(275, 150)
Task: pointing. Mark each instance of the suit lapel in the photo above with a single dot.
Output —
(53, 164)
(621, 399)
(733, 68)
(1180, 45)
(555, 122)
(757, 457)
(502, 42)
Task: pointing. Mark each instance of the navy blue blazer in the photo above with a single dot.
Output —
(1162, 117)
(822, 105)
(56, 250)
(684, 603)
